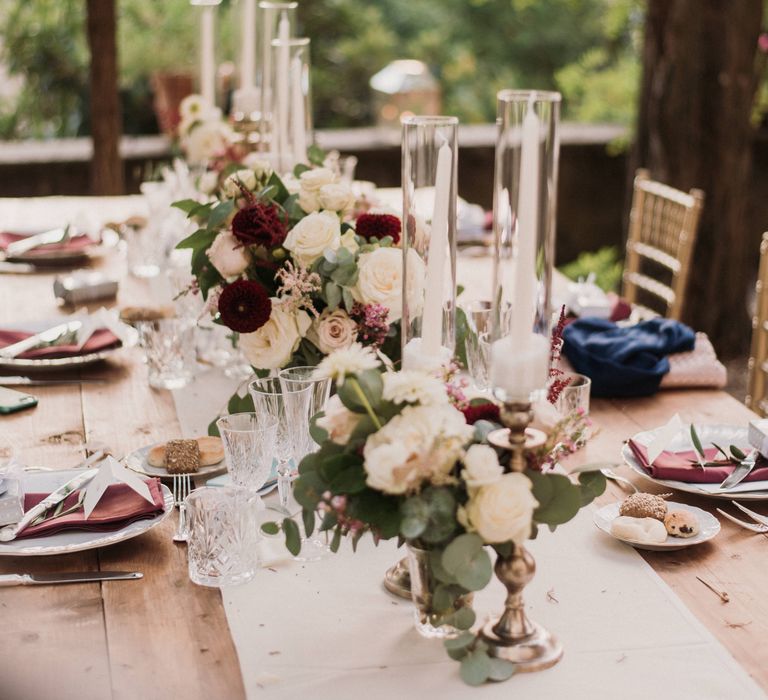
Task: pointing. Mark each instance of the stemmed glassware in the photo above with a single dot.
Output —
(249, 441)
(297, 378)
(290, 408)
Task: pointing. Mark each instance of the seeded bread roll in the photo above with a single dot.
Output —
(211, 452)
(681, 523)
(182, 456)
(644, 505)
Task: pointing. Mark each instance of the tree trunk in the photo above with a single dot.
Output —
(106, 166)
(699, 81)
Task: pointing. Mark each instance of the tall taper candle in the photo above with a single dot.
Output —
(207, 55)
(248, 48)
(282, 78)
(432, 317)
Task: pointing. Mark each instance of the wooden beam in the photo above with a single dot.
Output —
(107, 175)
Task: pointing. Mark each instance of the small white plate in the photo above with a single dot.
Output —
(722, 435)
(709, 526)
(75, 540)
(137, 461)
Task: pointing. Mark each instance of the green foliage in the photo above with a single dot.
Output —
(605, 263)
(429, 516)
(477, 666)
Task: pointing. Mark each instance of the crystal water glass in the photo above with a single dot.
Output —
(169, 348)
(249, 443)
(222, 543)
(290, 408)
(298, 378)
(478, 315)
(575, 396)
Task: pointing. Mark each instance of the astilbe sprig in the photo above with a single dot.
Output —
(558, 380)
(297, 285)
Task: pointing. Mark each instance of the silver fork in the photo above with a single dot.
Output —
(761, 522)
(181, 489)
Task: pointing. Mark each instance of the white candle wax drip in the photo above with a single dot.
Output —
(207, 57)
(432, 316)
(298, 118)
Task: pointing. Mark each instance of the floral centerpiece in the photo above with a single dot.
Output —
(398, 459)
(286, 264)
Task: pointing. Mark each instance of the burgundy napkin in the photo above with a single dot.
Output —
(102, 339)
(119, 506)
(676, 466)
(77, 243)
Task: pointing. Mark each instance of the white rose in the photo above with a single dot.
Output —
(503, 511)
(339, 422)
(291, 183)
(261, 167)
(482, 466)
(312, 236)
(310, 182)
(389, 469)
(272, 345)
(206, 140)
(244, 177)
(380, 281)
(208, 182)
(227, 255)
(333, 330)
(336, 197)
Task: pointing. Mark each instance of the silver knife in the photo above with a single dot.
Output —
(44, 381)
(741, 471)
(84, 577)
(47, 336)
(9, 532)
(57, 235)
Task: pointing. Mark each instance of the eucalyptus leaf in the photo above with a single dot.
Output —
(592, 485)
(737, 453)
(349, 300)
(308, 519)
(464, 618)
(333, 294)
(467, 560)
(329, 521)
(501, 669)
(559, 499)
(318, 434)
(350, 481)
(336, 541)
(475, 668)
(460, 642)
(697, 442)
(270, 528)
(220, 213)
(292, 536)
(457, 654)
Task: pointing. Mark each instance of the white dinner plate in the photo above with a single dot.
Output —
(709, 526)
(137, 461)
(721, 434)
(75, 540)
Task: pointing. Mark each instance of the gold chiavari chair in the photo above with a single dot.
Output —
(662, 231)
(758, 356)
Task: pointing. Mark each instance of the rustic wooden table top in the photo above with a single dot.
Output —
(164, 637)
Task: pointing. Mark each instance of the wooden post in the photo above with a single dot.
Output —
(694, 130)
(107, 175)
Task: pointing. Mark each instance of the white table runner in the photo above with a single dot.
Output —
(327, 629)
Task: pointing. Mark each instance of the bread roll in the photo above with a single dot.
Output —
(211, 452)
(640, 530)
(681, 523)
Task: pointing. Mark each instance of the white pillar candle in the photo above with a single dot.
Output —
(281, 88)
(207, 56)
(432, 316)
(248, 48)
(524, 310)
(520, 366)
(416, 358)
(298, 118)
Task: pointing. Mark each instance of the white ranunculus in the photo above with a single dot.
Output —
(260, 166)
(310, 183)
(227, 255)
(312, 236)
(332, 331)
(206, 140)
(208, 182)
(272, 345)
(243, 177)
(336, 197)
(380, 281)
(338, 421)
(481, 466)
(503, 511)
(412, 386)
(349, 241)
(421, 443)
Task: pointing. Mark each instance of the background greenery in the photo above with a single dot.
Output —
(588, 49)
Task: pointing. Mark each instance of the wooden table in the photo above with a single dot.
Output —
(164, 637)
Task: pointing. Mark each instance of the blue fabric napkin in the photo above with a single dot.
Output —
(625, 361)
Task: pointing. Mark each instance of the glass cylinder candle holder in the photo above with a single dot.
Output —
(276, 20)
(524, 200)
(207, 49)
(291, 110)
(246, 99)
(429, 182)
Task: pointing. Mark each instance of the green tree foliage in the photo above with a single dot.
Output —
(585, 48)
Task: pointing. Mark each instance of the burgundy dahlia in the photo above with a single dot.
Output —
(378, 226)
(483, 411)
(244, 306)
(259, 224)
